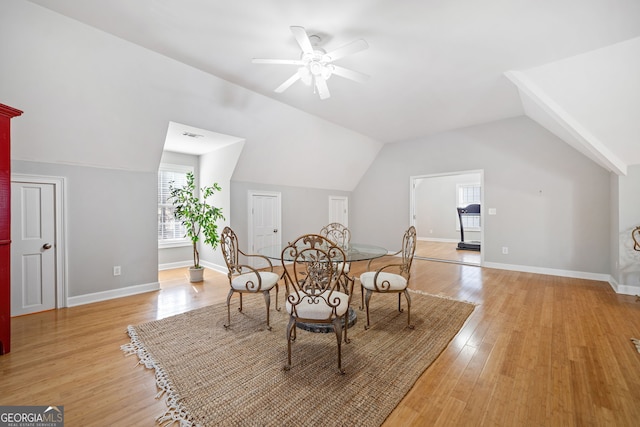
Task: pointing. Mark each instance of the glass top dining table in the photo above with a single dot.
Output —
(353, 252)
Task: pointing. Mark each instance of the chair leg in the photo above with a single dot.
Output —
(346, 315)
(361, 296)
(408, 297)
(366, 304)
(240, 308)
(290, 328)
(346, 326)
(337, 327)
(400, 310)
(229, 308)
(267, 301)
(277, 309)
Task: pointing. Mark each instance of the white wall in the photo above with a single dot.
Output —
(614, 227)
(218, 166)
(96, 110)
(552, 202)
(110, 220)
(628, 272)
(93, 99)
(436, 201)
(595, 94)
(304, 210)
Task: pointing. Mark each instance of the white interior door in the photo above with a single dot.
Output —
(33, 239)
(264, 221)
(339, 210)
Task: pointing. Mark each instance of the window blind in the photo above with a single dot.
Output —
(170, 230)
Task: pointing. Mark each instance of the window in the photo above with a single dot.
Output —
(170, 231)
(468, 194)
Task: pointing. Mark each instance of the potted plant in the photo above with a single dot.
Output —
(198, 217)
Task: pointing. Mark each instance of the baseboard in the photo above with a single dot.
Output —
(617, 288)
(112, 294)
(549, 271)
(181, 264)
(150, 287)
(172, 265)
(624, 289)
(437, 239)
(215, 267)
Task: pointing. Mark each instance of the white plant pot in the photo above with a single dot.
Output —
(196, 274)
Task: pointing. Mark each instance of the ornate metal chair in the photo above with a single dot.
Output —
(313, 288)
(337, 233)
(391, 278)
(245, 278)
(341, 236)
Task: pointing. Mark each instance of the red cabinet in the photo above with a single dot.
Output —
(6, 114)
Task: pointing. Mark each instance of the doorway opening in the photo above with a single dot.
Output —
(434, 200)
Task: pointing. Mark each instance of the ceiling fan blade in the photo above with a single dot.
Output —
(302, 38)
(322, 88)
(349, 74)
(277, 61)
(348, 49)
(291, 80)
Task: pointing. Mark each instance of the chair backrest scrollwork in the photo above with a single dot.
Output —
(317, 265)
(408, 249)
(337, 233)
(635, 235)
(229, 246)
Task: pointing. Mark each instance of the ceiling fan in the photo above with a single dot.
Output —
(316, 65)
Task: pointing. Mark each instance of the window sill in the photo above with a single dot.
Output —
(173, 244)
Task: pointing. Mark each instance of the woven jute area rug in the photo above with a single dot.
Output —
(211, 376)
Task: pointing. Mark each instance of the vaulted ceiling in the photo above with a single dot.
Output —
(435, 65)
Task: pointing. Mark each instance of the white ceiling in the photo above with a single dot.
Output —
(187, 139)
(435, 65)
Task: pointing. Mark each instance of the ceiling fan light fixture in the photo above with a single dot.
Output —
(316, 64)
(315, 68)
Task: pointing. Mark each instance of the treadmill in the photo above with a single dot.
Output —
(469, 210)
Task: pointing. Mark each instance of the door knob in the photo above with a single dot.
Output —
(275, 230)
(46, 246)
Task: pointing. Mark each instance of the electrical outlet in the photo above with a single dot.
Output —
(116, 270)
(505, 250)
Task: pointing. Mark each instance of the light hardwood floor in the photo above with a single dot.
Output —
(446, 251)
(538, 350)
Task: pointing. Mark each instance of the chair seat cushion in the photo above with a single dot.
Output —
(396, 281)
(269, 280)
(307, 309)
